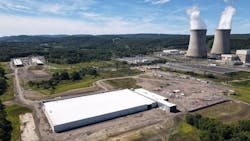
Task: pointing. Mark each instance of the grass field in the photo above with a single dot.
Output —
(9, 94)
(66, 85)
(13, 113)
(185, 132)
(242, 90)
(77, 67)
(123, 83)
(227, 112)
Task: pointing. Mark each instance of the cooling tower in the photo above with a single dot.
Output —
(221, 42)
(197, 44)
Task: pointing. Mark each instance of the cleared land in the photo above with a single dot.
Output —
(227, 112)
(28, 128)
(187, 92)
(13, 113)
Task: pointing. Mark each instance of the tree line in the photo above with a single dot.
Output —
(213, 130)
(3, 82)
(5, 125)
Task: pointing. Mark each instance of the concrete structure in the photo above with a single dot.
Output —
(230, 59)
(36, 61)
(197, 44)
(161, 101)
(81, 111)
(221, 43)
(244, 55)
(138, 59)
(17, 62)
(171, 51)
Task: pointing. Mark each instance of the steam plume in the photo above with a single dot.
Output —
(226, 18)
(195, 19)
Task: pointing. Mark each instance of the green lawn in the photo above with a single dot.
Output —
(13, 113)
(227, 112)
(242, 75)
(66, 85)
(242, 90)
(185, 132)
(123, 83)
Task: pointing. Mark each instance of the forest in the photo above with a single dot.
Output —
(214, 130)
(63, 49)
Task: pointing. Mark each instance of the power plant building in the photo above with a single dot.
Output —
(81, 111)
(197, 44)
(221, 43)
(244, 55)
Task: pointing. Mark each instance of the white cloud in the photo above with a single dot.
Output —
(17, 25)
(55, 9)
(40, 7)
(157, 1)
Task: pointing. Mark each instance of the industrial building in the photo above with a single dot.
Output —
(221, 43)
(18, 62)
(197, 44)
(138, 60)
(76, 112)
(230, 59)
(244, 55)
(162, 102)
(171, 51)
(36, 61)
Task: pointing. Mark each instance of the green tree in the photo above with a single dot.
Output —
(76, 76)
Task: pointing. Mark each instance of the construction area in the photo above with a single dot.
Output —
(187, 92)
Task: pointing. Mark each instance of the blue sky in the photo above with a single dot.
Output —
(34, 17)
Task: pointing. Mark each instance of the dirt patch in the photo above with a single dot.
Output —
(28, 128)
(32, 75)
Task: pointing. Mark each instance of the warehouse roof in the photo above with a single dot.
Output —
(150, 95)
(74, 109)
(155, 97)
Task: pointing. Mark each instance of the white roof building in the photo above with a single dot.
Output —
(244, 55)
(80, 111)
(17, 62)
(36, 61)
(161, 101)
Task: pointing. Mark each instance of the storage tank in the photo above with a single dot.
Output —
(221, 43)
(197, 44)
